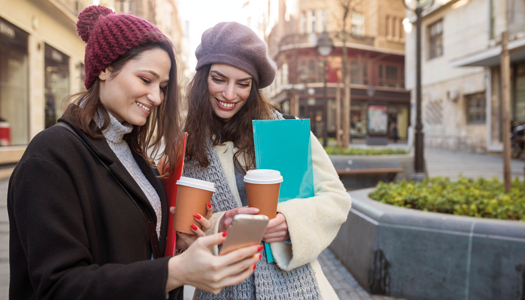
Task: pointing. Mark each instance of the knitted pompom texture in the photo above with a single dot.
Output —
(109, 35)
(88, 18)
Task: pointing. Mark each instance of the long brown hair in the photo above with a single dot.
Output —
(162, 122)
(203, 125)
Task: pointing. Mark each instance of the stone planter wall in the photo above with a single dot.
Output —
(419, 255)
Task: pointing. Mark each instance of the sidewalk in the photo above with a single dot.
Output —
(450, 164)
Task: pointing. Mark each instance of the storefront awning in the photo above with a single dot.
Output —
(491, 57)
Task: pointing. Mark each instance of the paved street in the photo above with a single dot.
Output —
(472, 165)
(439, 163)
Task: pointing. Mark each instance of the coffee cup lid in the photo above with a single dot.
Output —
(196, 183)
(263, 176)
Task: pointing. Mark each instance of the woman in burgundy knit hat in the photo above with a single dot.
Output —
(88, 214)
(224, 97)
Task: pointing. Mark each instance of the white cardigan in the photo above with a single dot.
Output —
(329, 208)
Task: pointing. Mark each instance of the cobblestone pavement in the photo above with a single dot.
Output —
(472, 165)
(344, 284)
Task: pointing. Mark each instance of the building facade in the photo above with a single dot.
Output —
(42, 61)
(375, 43)
(461, 81)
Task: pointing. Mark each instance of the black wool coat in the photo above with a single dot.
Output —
(74, 232)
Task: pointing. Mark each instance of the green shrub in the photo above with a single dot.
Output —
(363, 151)
(484, 198)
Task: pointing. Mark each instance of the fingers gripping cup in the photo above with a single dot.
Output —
(262, 187)
(192, 197)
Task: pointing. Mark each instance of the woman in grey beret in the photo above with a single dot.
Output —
(224, 97)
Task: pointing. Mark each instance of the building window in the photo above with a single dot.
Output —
(313, 21)
(56, 84)
(358, 73)
(435, 39)
(391, 76)
(312, 71)
(303, 22)
(14, 85)
(476, 113)
(358, 24)
(325, 19)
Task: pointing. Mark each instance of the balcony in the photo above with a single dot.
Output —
(310, 40)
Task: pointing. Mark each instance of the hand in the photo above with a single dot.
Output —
(201, 269)
(277, 230)
(227, 218)
(185, 240)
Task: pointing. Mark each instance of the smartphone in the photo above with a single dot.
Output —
(244, 231)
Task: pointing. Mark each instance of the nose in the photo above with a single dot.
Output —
(229, 93)
(155, 97)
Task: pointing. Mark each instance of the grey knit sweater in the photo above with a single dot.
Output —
(268, 282)
(114, 134)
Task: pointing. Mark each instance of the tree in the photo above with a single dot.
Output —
(347, 7)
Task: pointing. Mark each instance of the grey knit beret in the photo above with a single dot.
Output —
(236, 45)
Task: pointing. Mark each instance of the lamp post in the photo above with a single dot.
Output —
(417, 6)
(324, 47)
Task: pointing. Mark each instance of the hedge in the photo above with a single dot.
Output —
(484, 198)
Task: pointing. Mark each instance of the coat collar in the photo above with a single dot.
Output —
(101, 148)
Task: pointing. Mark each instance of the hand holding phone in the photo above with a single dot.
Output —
(244, 231)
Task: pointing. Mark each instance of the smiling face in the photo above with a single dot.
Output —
(138, 88)
(229, 89)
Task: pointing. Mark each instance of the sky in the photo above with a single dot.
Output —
(204, 14)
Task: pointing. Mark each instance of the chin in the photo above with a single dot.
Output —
(137, 121)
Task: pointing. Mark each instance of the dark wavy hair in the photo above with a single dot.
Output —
(203, 125)
(163, 121)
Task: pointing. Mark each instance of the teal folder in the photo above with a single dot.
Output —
(284, 145)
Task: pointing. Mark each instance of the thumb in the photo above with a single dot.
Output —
(212, 240)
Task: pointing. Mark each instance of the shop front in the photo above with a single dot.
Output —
(14, 85)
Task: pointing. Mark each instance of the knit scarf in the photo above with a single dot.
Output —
(268, 281)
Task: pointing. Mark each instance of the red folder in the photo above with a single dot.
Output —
(171, 190)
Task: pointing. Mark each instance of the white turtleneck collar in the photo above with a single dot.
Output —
(116, 130)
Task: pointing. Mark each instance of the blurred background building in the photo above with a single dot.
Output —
(461, 71)
(376, 60)
(42, 60)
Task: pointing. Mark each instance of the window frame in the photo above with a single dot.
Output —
(435, 39)
(382, 81)
(479, 110)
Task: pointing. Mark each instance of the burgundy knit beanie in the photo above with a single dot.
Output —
(109, 35)
(236, 45)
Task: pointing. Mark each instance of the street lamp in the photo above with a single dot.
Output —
(324, 47)
(417, 6)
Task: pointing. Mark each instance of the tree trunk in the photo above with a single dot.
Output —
(346, 93)
(505, 78)
(338, 114)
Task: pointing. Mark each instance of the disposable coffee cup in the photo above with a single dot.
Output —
(192, 197)
(262, 187)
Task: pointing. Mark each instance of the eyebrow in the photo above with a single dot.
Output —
(224, 76)
(154, 74)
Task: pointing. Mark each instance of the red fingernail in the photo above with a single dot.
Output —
(254, 266)
(209, 205)
(260, 256)
(194, 227)
(260, 248)
(197, 216)
(224, 233)
(178, 232)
